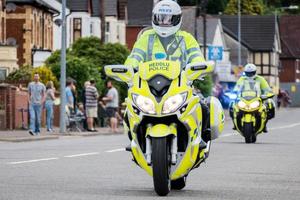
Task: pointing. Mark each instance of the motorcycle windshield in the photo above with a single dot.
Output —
(248, 94)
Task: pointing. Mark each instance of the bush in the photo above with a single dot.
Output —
(205, 86)
(25, 75)
(45, 75)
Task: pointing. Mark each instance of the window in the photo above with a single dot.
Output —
(77, 26)
(3, 74)
(257, 58)
(266, 58)
(3, 29)
(92, 28)
(107, 27)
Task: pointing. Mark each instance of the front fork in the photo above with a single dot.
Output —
(174, 150)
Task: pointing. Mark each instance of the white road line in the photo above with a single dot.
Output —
(82, 154)
(115, 150)
(287, 126)
(31, 161)
(228, 134)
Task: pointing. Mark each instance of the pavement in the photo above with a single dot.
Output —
(99, 168)
(24, 136)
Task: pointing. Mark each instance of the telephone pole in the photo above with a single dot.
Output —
(102, 18)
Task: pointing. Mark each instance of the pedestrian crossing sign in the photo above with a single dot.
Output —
(215, 53)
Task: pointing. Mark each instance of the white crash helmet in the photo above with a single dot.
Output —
(250, 70)
(166, 18)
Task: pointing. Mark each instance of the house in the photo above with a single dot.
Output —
(138, 17)
(215, 37)
(8, 50)
(56, 4)
(30, 25)
(260, 40)
(290, 41)
(84, 21)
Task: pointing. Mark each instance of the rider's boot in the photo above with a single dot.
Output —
(206, 131)
(265, 130)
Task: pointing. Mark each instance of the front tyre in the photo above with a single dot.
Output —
(178, 184)
(160, 166)
(250, 137)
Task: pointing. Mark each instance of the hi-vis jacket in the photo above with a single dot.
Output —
(258, 84)
(148, 47)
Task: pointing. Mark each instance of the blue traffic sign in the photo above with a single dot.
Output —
(215, 53)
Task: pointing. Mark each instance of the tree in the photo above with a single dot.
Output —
(216, 6)
(248, 7)
(86, 59)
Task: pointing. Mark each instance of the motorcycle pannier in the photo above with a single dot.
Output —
(217, 117)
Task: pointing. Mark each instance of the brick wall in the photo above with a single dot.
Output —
(2, 22)
(12, 100)
(131, 35)
(14, 29)
(32, 27)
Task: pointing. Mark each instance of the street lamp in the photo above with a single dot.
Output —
(62, 123)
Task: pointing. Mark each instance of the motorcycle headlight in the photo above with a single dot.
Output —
(174, 102)
(254, 104)
(242, 104)
(144, 103)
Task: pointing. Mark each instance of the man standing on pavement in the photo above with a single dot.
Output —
(69, 95)
(91, 103)
(112, 99)
(36, 98)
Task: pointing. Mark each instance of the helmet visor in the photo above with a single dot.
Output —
(250, 74)
(166, 19)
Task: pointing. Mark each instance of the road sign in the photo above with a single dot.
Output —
(215, 53)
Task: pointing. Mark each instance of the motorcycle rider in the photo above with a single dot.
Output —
(249, 81)
(166, 41)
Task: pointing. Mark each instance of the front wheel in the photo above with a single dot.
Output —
(160, 166)
(250, 137)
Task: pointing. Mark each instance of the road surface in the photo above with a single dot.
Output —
(99, 168)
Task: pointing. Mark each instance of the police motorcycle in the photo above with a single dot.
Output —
(164, 119)
(250, 113)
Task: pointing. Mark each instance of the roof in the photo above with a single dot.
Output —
(289, 34)
(139, 12)
(78, 5)
(257, 32)
(211, 27)
(188, 19)
(110, 8)
(38, 3)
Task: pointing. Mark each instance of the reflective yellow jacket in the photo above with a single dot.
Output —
(258, 84)
(148, 47)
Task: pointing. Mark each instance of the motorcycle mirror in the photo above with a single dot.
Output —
(198, 70)
(120, 73)
(265, 97)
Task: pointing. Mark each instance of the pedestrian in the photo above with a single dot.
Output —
(91, 104)
(36, 98)
(86, 84)
(279, 98)
(69, 95)
(50, 97)
(112, 104)
(74, 93)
